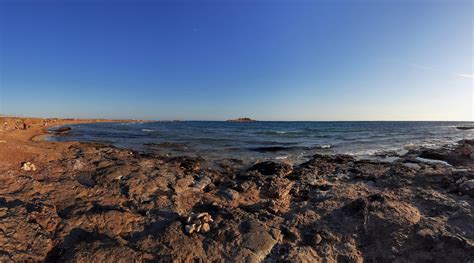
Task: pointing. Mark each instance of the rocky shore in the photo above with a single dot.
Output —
(97, 203)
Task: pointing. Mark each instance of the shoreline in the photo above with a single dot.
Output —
(17, 143)
(94, 202)
(293, 153)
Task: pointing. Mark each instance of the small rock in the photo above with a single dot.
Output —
(205, 228)
(425, 232)
(78, 165)
(198, 223)
(189, 229)
(62, 130)
(182, 185)
(467, 187)
(3, 211)
(86, 179)
(317, 239)
(202, 215)
(230, 194)
(205, 217)
(202, 184)
(27, 166)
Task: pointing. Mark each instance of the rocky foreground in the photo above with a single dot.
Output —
(97, 203)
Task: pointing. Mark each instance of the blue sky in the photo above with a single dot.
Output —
(214, 60)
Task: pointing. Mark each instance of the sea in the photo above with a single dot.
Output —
(268, 140)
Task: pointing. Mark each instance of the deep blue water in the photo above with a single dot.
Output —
(264, 140)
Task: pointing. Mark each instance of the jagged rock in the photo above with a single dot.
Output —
(230, 194)
(183, 184)
(257, 241)
(202, 183)
(272, 168)
(467, 188)
(134, 204)
(426, 232)
(86, 179)
(62, 130)
(78, 165)
(302, 255)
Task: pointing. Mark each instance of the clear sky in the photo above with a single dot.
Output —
(214, 60)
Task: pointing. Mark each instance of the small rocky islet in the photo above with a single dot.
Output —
(242, 120)
(101, 203)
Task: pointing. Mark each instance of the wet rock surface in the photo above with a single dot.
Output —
(98, 203)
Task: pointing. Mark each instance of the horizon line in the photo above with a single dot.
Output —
(224, 120)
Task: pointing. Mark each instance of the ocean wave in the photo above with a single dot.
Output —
(325, 146)
(432, 161)
(412, 146)
(264, 149)
(280, 133)
(276, 139)
(166, 144)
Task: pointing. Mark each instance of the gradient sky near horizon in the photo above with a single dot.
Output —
(214, 60)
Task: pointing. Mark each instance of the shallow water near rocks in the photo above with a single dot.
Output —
(285, 141)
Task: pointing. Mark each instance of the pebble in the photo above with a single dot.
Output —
(205, 228)
(425, 232)
(189, 229)
(467, 188)
(28, 167)
(317, 239)
(198, 223)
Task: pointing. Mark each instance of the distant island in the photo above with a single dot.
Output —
(242, 120)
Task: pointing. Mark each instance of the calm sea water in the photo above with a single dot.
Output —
(271, 140)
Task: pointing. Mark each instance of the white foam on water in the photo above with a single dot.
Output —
(424, 160)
